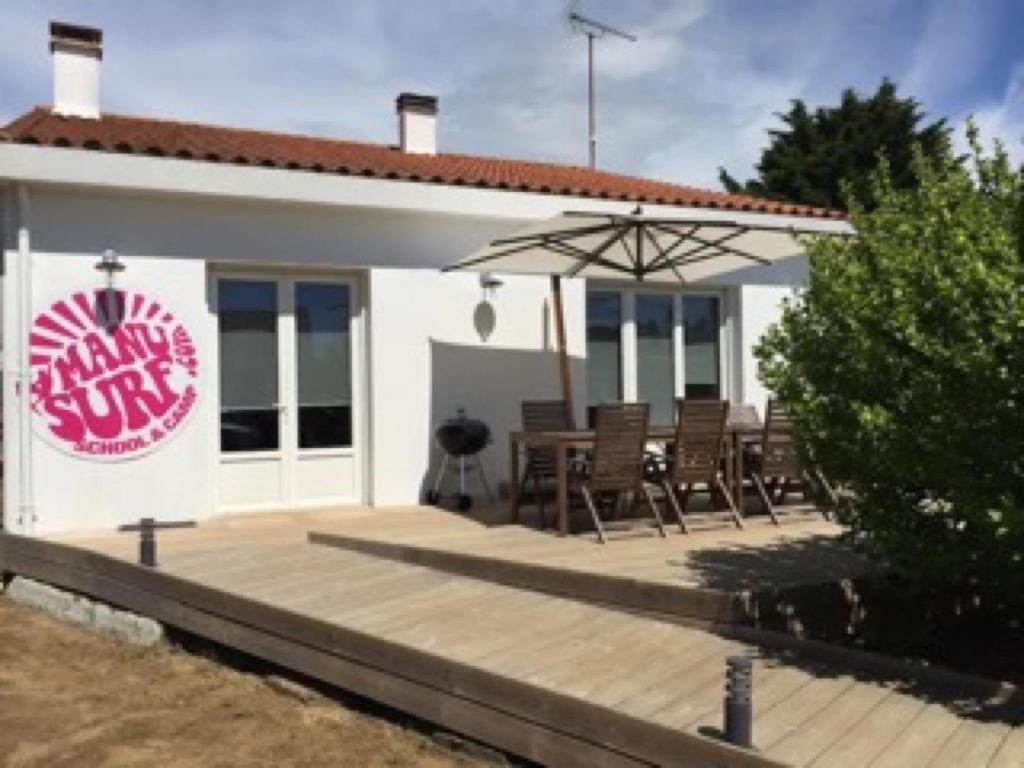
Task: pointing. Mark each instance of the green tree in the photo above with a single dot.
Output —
(816, 153)
(903, 363)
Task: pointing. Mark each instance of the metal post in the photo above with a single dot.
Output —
(590, 100)
(739, 725)
(564, 369)
(592, 29)
(147, 542)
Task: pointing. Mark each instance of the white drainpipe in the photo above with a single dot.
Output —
(26, 493)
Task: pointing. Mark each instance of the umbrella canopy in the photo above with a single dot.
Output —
(633, 246)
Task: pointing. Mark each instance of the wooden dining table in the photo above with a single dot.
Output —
(742, 426)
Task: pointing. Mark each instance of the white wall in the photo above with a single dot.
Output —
(172, 482)
(428, 355)
(760, 308)
(431, 355)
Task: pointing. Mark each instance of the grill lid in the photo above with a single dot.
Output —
(463, 436)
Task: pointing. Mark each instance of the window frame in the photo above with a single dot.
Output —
(628, 335)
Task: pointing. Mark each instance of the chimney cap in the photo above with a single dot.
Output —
(75, 36)
(416, 102)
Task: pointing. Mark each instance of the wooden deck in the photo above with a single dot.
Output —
(717, 574)
(556, 680)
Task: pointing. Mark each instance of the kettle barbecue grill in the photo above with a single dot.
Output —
(461, 438)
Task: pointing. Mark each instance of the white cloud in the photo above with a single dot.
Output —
(1003, 120)
(951, 50)
(698, 89)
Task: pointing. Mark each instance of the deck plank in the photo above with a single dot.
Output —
(788, 716)
(828, 725)
(921, 740)
(973, 743)
(867, 739)
(1011, 751)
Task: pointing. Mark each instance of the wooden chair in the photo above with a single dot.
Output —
(541, 416)
(617, 466)
(697, 457)
(775, 464)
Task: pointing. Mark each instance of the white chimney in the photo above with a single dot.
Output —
(417, 124)
(77, 52)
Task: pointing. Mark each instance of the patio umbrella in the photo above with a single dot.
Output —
(632, 246)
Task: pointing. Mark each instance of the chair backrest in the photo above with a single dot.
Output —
(544, 416)
(619, 446)
(778, 446)
(743, 415)
(700, 429)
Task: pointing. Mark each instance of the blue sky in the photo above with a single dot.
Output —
(699, 88)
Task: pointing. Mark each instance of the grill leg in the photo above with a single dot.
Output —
(440, 474)
(483, 479)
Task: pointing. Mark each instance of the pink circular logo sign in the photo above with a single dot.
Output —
(114, 374)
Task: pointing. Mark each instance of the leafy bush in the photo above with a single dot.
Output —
(903, 365)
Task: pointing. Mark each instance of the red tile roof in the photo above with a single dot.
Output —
(165, 138)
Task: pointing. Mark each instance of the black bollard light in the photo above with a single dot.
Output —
(147, 542)
(739, 717)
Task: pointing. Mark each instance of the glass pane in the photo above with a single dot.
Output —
(604, 349)
(655, 375)
(700, 324)
(248, 365)
(324, 365)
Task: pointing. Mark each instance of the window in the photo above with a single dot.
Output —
(652, 347)
(324, 365)
(655, 357)
(700, 339)
(604, 349)
(248, 365)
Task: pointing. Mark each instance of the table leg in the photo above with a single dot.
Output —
(562, 470)
(513, 477)
(737, 450)
(730, 462)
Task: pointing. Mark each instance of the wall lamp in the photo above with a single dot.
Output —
(490, 283)
(109, 263)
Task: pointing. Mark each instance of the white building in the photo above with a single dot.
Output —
(281, 335)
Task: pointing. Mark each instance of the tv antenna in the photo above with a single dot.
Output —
(593, 29)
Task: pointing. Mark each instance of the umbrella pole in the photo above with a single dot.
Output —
(564, 372)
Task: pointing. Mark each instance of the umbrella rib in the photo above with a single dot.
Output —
(613, 266)
(492, 257)
(726, 248)
(566, 249)
(699, 258)
(595, 255)
(556, 246)
(627, 249)
(561, 234)
(691, 235)
(665, 257)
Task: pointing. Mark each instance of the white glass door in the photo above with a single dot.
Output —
(287, 389)
(324, 468)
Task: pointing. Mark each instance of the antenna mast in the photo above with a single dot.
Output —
(593, 29)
